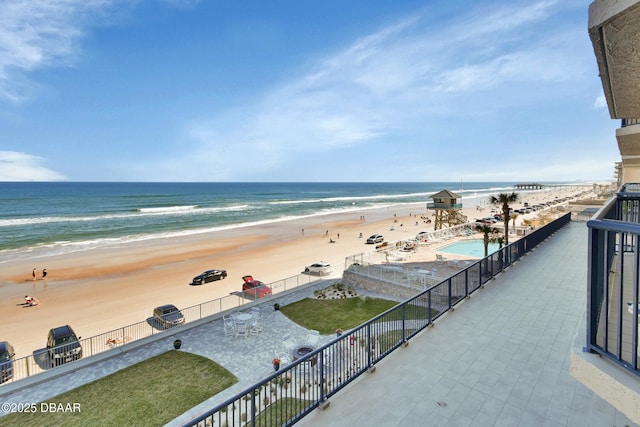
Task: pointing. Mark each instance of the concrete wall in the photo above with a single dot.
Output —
(376, 286)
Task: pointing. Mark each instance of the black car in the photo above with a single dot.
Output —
(209, 276)
(63, 345)
(168, 315)
(7, 356)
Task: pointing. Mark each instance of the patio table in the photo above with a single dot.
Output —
(242, 324)
(243, 317)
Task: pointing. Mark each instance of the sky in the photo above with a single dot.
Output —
(301, 91)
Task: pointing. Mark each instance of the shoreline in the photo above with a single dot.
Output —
(102, 289)
(45, 250)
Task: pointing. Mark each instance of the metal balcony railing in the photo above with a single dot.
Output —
(294, 390)
(613, 275)
(630, 122)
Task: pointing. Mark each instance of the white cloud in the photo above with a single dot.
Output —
(16, 166)
(600, 102)
(414, 86)
(394, 82)
(38, 33)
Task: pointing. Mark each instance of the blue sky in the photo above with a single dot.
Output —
(170, 90)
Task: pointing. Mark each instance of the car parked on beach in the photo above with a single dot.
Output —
(321, 268)
(7, 356)
(375, 238)
(63, 345)
(209, 276)
(167, 316)
(255, 288)
(489, 220)
(422, 235)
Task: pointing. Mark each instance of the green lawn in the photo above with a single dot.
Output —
(149, 393)
(326, 316)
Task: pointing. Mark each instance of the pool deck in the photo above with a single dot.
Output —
(477, 251)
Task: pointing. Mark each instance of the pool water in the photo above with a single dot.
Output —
(470, 248)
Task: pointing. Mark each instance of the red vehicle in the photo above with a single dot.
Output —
(255, 288)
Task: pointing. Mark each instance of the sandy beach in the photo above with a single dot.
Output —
(102, 289)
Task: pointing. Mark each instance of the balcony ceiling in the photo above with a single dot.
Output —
(614, 29)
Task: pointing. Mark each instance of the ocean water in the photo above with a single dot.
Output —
(39, 218)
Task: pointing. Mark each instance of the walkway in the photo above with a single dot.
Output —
(500, 359)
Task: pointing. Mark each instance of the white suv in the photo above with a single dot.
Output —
(321, 268)
(375, 238)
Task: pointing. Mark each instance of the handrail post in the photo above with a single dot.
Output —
(466, 282)
(369, 364)
(403, 312)
(321, 372)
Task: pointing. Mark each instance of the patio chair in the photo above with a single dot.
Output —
(229, 325)
(242, 329)
(255, 326)
(288, 343)
(312, 338)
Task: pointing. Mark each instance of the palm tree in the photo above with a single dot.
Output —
(487, 231)
(503, 199)
(513, 218)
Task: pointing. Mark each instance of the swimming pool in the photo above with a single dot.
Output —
(471, 248)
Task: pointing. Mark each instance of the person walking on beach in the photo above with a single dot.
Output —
(44, 273)
(33, 274)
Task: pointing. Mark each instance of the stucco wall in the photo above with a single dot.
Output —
(375, 286)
